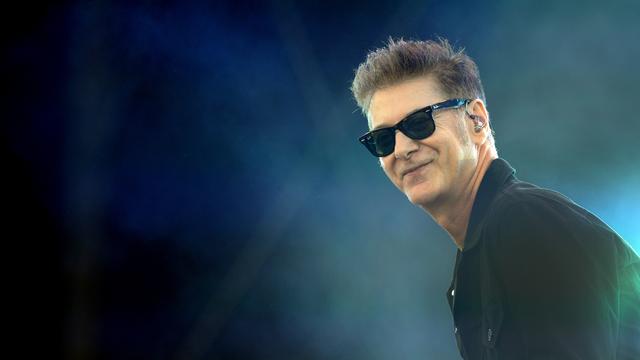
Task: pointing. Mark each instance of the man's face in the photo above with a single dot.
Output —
(444, 162)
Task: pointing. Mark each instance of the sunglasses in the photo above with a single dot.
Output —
(417, 125)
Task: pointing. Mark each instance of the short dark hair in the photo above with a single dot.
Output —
(400, 60)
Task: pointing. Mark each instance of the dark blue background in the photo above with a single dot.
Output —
(185, 181)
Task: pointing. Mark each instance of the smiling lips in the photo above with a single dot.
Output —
(414, 168)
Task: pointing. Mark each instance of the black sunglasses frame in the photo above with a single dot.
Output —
(369, 138)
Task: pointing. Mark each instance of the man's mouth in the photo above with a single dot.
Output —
(413, 169)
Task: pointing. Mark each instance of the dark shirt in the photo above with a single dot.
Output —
(542, 278)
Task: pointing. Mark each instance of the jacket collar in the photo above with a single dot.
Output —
(495, 179)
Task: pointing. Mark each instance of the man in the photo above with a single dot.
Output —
(536, 275)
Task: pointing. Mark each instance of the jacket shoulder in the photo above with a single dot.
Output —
(521, 206)
(524, 216)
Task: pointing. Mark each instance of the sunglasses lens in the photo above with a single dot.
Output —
(419, 125)
(382, 142)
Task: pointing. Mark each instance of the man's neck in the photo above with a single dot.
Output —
(454, 217)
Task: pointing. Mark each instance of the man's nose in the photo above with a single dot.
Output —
(405, 146)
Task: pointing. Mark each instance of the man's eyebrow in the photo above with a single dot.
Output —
(382, 126)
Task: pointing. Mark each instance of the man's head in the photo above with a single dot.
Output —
(456, 74)
(405, 76)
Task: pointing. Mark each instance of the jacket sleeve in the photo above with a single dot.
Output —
(629, 330)
(559, 269)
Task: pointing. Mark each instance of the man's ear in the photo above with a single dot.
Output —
(477, 111)
(480, 130)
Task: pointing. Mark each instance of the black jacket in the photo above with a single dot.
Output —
(542, 278)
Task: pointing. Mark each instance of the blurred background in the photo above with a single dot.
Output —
(183, 180)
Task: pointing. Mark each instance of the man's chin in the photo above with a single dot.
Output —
(420, 197)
